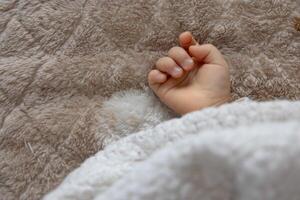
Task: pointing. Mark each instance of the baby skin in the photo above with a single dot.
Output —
(191, 77)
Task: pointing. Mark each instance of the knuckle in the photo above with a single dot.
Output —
(159, 61)
(174, 50)
(164, 61)
(210, 46)
(150, 76)
(152, 73)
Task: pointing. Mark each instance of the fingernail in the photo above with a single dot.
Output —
(188, 64)
(176, 71)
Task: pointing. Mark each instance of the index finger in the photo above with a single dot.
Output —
(207, 53)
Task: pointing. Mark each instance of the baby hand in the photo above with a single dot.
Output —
(191, 77)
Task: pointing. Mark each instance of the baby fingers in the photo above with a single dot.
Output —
(182, 58)
(169, 66)
(155, 77)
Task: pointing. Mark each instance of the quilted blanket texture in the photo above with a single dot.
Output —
(73, 73)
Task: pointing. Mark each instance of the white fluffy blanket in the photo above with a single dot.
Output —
(244, 150)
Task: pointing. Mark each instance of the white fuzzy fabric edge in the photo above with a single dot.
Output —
(98, 173)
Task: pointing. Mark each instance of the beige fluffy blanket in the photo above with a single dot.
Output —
(63, 64)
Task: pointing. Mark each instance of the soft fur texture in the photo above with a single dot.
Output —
(62, 61)
(244, 151)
